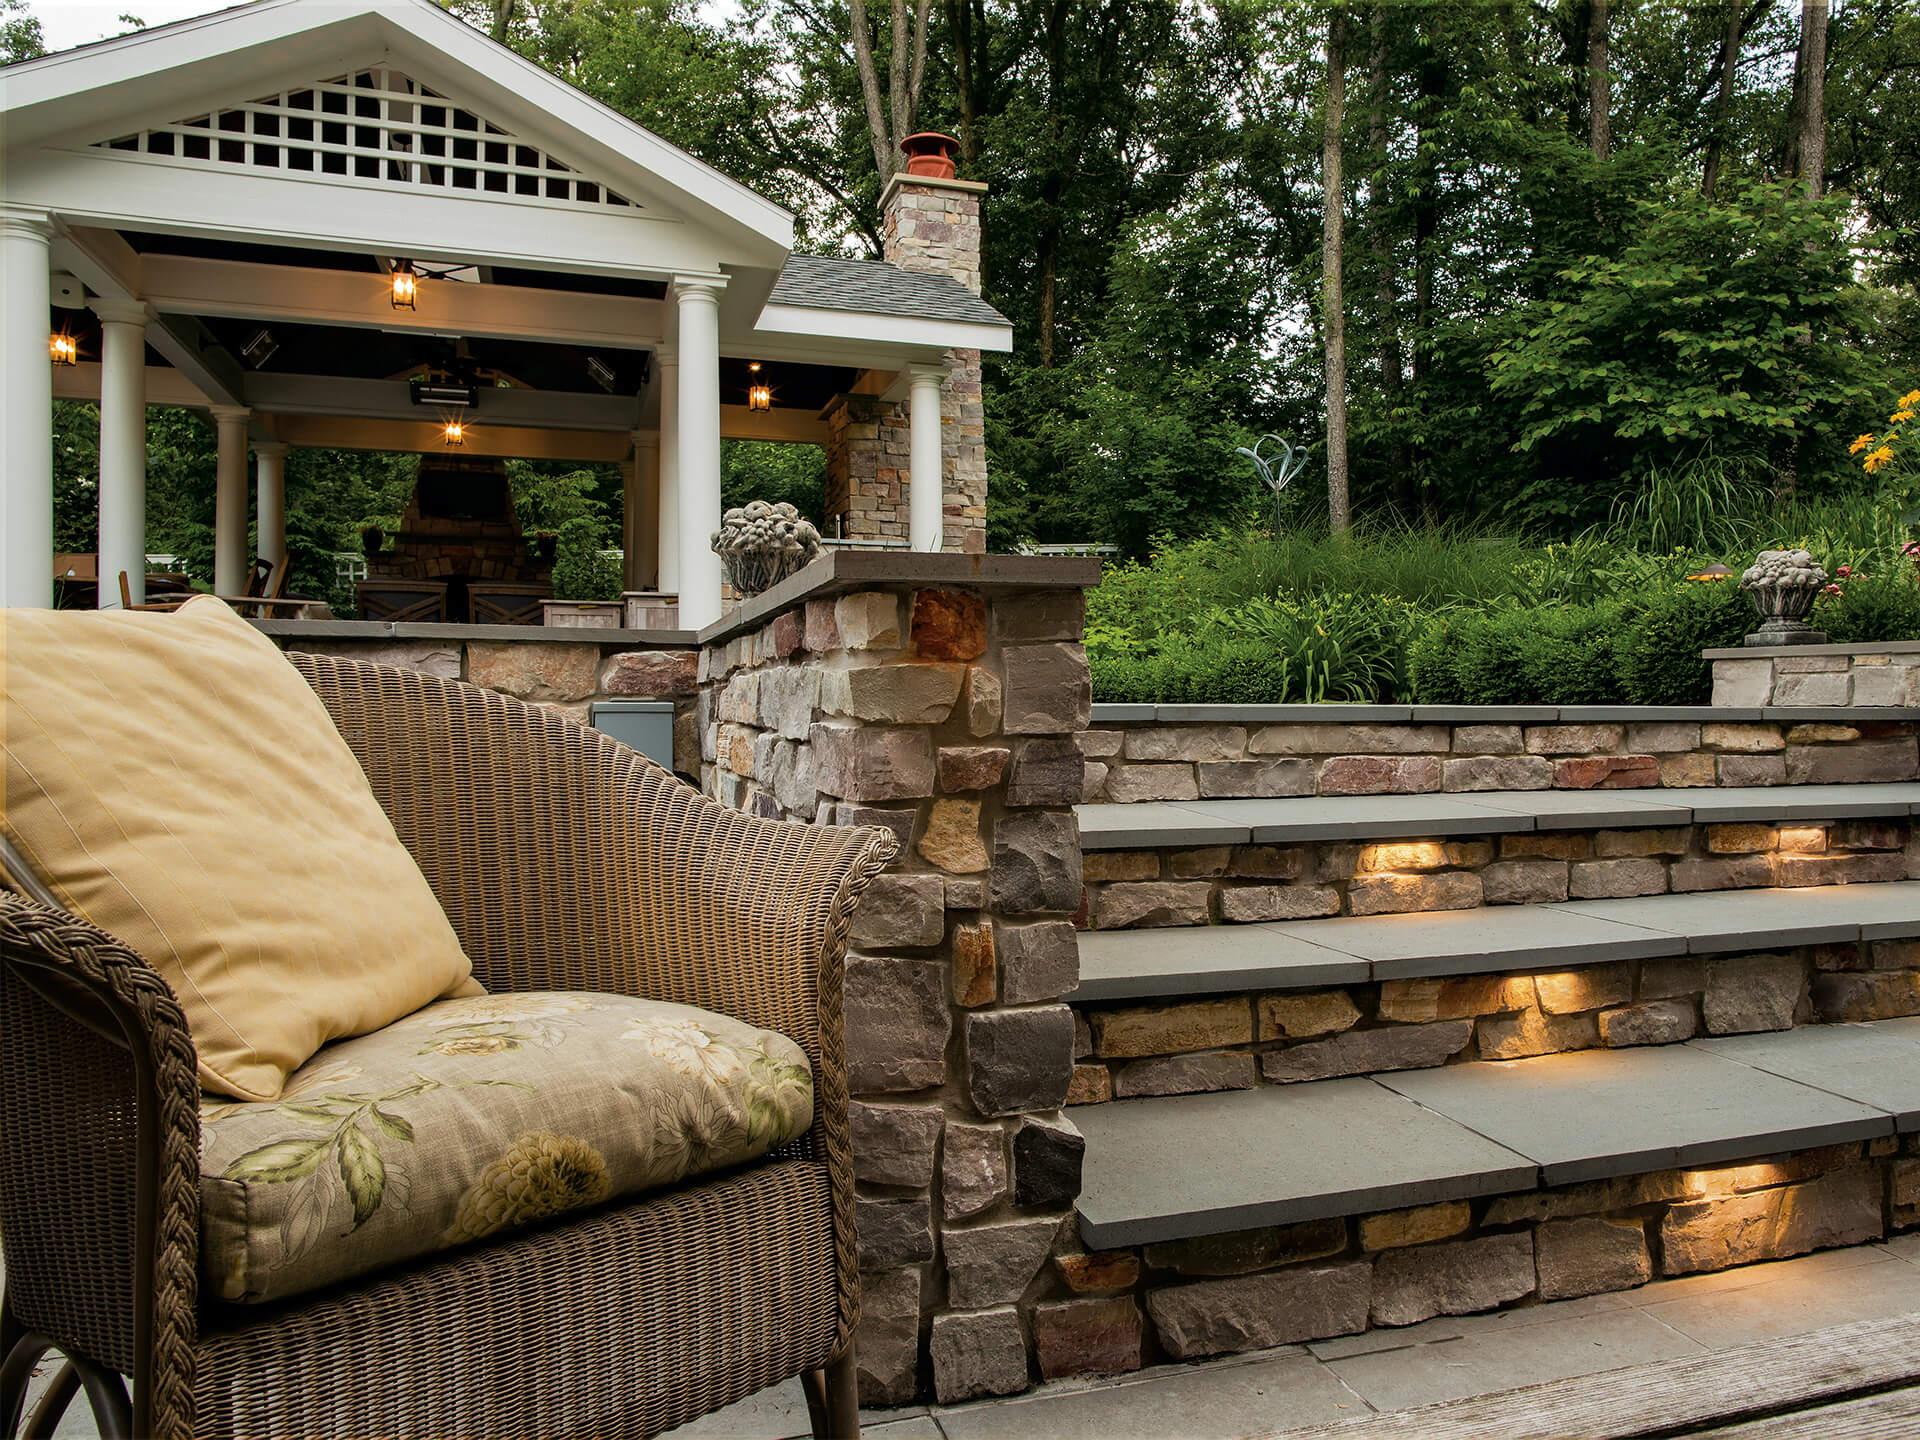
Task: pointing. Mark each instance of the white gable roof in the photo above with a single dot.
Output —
(72, 114)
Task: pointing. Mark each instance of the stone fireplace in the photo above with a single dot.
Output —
(460, 527)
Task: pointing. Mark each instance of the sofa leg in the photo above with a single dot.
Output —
(833, 1399)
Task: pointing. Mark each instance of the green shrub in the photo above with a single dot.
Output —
(1882, 605)
(582, 568)
(1516, 655)
(1662, 632)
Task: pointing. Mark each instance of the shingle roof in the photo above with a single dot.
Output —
(829, 283)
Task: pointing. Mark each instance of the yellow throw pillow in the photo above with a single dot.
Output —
(173, 779)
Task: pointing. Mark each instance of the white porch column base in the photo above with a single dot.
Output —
(230, 501)
(123, 450)
(926, 472)
(270, 458)
(26, 411)
(697, 301)
(668, 361)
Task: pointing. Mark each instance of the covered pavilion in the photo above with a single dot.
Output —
(363, 224)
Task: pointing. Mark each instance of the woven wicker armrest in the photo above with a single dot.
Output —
(100, 1129)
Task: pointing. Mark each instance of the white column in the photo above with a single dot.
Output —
(230, 501)
(26, 411)
(698, 457)
(642, 538)
(668, 581)
(123, 449)
(926, 472)
(270, 463)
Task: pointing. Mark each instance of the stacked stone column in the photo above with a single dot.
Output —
(946, 714)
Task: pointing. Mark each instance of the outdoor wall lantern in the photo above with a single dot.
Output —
(454, 433)
(406, 285)
(759, 393)
(64, 349)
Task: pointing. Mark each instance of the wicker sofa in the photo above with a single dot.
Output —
(566, 862)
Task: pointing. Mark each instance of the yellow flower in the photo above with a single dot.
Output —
(1910, 400)
(1857, 446)
(1901, 416)
(1880, 457)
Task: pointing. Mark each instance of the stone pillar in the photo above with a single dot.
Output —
(270, 457)
(123, 449)
(230, 501)
(933, 225)
(26, 410)
(668, 580)
(698, 453)
(947, 714)
(925, 497)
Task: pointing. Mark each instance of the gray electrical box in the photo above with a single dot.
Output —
(645, 725)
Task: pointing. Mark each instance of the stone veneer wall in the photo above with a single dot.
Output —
(1281, 1285)
(1215, 884)
(1127, 1049)
(934, 226)
(1187, 760)
(1826, 675)
(563, 676)
(944, 712)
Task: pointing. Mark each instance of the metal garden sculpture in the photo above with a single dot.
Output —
(1276, 471)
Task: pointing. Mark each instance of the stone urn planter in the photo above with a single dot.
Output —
(760, 545)
(1783, 584)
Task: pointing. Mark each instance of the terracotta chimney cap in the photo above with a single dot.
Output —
(930, 153)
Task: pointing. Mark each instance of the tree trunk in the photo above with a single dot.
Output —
(877, 136)
(968, 36)
(1723, 100)
(1599, 87)
(1812, 147)
(1332, 302)
(1426, 223)
(503, 11)
(890, 118)
(1380, 223)
(1053, 186)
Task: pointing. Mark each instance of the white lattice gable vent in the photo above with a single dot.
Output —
(373, 125)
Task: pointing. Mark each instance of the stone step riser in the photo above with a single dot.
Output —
(1347, 1273)
(1236, 1041)
(1133, 762)
(1189, 885)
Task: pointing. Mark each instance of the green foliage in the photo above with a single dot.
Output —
(1516, 655)
(1870, 607)
(1662, 632)
(547, 495)
(582, 567)
(775, 473)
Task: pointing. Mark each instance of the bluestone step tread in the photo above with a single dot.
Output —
(1591, 1114)
(1301, 954)
(1205, 1164)
(1864, 1062)
(1109, 826)
(1174, 1168)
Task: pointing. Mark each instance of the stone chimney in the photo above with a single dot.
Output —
(931, 223)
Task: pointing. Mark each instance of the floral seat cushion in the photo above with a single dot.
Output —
(476, 1117)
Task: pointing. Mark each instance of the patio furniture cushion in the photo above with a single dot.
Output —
(174, 780)
(476, 1117)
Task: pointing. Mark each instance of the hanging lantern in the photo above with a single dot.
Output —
(759, 393)
(454, 433)
(406, 285)
(64, 349)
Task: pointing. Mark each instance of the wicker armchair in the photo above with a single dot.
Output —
(565, 861)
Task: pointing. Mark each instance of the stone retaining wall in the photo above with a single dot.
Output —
(1207, 759)
(1127, 1049)
(565, 676)
(1222, 884)
(943, 710)
(1821, 675)
(1116, 1310)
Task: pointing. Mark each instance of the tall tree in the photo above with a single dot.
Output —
(1332, 253)
(1811, 140)
(890, 123)
(1599, 82)
(1737, 22)
(1380, 224)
